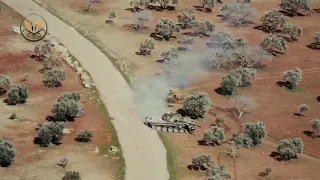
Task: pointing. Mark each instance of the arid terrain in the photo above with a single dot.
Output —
(275, 105)
(33, 161)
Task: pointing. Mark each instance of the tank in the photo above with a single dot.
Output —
(171, 122)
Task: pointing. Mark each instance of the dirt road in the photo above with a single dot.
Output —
(143, 151)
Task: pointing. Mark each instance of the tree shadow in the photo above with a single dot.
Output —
(266, 29)
(309, 133)
(2, 91)
(153, 7)
(285, 13)
(37, 141)
(5, 164)
(275, 156)
(287, 38)
(37, 58)
(9, 103)
(313, 46)
(108, 21)
(317, 10)
(54, 118)
(189, 33)
(133, 10)
(171, 8)
(220, 91)
(318, 98)
(51, 84)
(161, 61)
(156, 37)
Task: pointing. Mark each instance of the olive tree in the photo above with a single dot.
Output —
(166, 28)
(55, 77)
(214, 136)
(203, 28)
(43, 50)
(141, 19)
(186, 41)
(136, 4)
(50, 133)
(201, 162)
(5, 83)
(225, 41)
(273, 20)
(289, 148)
(18, 94)
(164, 3)
(294, 6)
(171, 53)
(66, 109)
(209, 3)
(292, 77)
(242, 104)
(216, 172)
(247, 75)
(50, 62)
(230, 82)
(293, 30)
(218, 57)
(253, 134)
(186, 17)
(70, 96)
(146, 47)
(303, 109)
(84, 136)
(71, 175)
(197, 104)
(7, 153)
(316, 39)
(219, 119)
(249, 56)
(239, 14)
(273, 43)
(315, 127)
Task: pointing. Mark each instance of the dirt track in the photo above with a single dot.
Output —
(143, 151)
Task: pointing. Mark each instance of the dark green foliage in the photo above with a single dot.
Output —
(84, 136)
(197, 104)
(219, 119)
(273, 20)
(166, 28)
(209, 3)
(66, 109)
(289, 148)
(315, 127)
(164, 3)
(18, 94)
(186, 17)
(230, 82)
(203, 28)
(136, 4)
(214, 135)
(50, 62)
(202, 162)
(253, 135)
(216, 172)
(5, 83)
(294, 6)
(247, 75)
(292, 77)
(273, 44)
(70, 96)
(146, 47)
(71, 175)
(7, 153)
(50, 133)
(55, 77)
(293, 30)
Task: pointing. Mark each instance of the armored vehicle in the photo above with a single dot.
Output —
(171, 122)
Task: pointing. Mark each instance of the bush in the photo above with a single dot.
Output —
(243, 140)
(112, 15)
(294, 6)
(293, 30)
(209, 3)
(315, 127)
(230, 82)
(273, 20)
(146, 47)
(253, 135)
(5, 83)
(66, 109)
(71, 175)
(214, 135)
(242, 104)
(202, 162)
(219, 57)
(203, 28)
(70, 96)
(164, 3)
(289, 148)
(166, 27)
(215, 172)
(50, 62)
(18, 94)
(247, 75)
(317, 38)
(170, 54)
(186, 41)
(302, 109)
(50, 133)
(136, 4)
(7, 153)
(273, 44)
(239, 14)
(141, 19)
(292, 77)
(219, 119)
(250, 56)
(225, 41)
(84, 136)
(197, 104)
(55, 77)
(186, 17)
(44, 50)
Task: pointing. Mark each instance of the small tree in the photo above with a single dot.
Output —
(141, 19)
(242, 104)
(71, 175)
(215, 172)
(203, 28)
(316, 43)
(136, 4)
(197, 104)
(111, 16)
(219, 119)
(170, 54)
(186, 41)
(146, 47)
(55, 77)
(70, 96)
(5, 83)
(250, 56)
(239, 14)
(315, 127)
(265, 173)
(272, 44)
(225, 41)
(201, 162)
(247, 75)
(166, 27)
(293, 30)
(186, 17)
(43, 50)
(50, 62)
(292, 77)
(230, 82)
(18, 94)
(214, 136)
(66, 110)
(164, 3)
(209, 3)
(289, 148)
(84, 136)
(7, 152)
(273, 20)
(294, 6)
(253, 135)
(50, 133)
(243, 140)
(302, 109)
(91, 2)
(218, 57)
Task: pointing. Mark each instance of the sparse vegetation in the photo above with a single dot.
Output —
(203, 28)
(289, 148)
(186, 41)
(50, 133)
(273, 44)
(5, 83)
(239, 14)
(265, 173)
(146, 47)
(196, 105)
(55, 77)
(292, 78)
(66, 109)
(43, 50)
(50, 62)
(216, 172)
(137, 4)
(170, 54)
(164, 3)
(201, 162)
(303, 109)
(242, 104)
(273, 21)
(293, 7)
(315, 127)
(219, 57)
(71, 175)
(219, 119)
(214, 136)
(7, 153)
(186, 17)
(111, 16)
(84, 136)
(254, 133)
(230, 82)
(63, 163)
(293, 30)
(141, 19)
(18, 94)
(165, 28)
